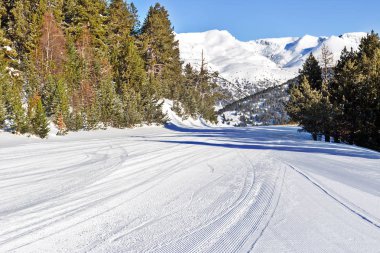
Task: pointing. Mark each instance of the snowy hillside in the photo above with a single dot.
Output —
(258, 64)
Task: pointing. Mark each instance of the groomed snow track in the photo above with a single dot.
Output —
(187, 189)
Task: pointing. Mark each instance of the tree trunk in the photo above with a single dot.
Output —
(327, 137)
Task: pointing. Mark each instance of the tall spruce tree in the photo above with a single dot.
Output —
(15, 109)
(312, 71)
(4, 76)
(367, 92)
(133, 84)
(135, 19)
(304, 107)
(308, 102)
(90, 15)
(39, 122)
(120, 23)
(161, 50)
(4, 81)
(109, 101)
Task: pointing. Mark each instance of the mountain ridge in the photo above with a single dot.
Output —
(258, 64)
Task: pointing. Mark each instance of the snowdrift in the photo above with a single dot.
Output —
(175, 121)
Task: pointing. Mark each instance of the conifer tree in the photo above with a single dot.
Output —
(135, 19)
(88, 80)
(24, 21)
(73, 76)
(4, 81)
(131, 114)
(367, 93)
(120, 23)
(304, 107)
(312, 71)
(161, 50)
(4, 75)
(131, 78)
(308, 103)
(60, 104)
(341, 93)
(109, 102)
(90, 15)
(15, 109)
(39, 122)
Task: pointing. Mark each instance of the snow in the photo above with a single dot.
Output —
(187, 187)
(262, 62)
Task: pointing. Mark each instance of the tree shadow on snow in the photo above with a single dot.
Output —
(267, 138)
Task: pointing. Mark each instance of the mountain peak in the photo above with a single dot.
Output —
(262, 62)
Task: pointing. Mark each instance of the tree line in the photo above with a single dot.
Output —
(85, 64)
(341, 101)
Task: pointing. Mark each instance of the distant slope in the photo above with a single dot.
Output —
(255, 65)
(266, 107)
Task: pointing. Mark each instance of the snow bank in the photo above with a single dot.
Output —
(175, 120)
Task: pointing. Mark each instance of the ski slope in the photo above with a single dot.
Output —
(187, 188)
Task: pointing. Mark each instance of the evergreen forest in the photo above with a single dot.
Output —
(88, 64)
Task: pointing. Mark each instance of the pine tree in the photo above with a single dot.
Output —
(110, 104)
(3, 112)
(190, 98)
(60, 103)
(15, 109)
(206, 87)
(161, 50)
(39, 122)
(24, 21)
(342, 95)
(135, 19)
(88, 80)
(312, 71)
(90, 15)
(130, 100)
(367, 93)
(130, 67)
(73, 76)
(131, 78)
(4, 75)
(4, 81)
(304, 106)
(120, 23)
(369, 45)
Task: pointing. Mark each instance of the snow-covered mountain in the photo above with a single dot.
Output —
(257, 64)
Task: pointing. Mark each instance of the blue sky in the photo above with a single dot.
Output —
(253, 19)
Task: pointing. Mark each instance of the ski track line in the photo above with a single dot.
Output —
(123, 233)
(273, 212)
(267, 213)
(254, 205)
(205, 226)
(103, 159)
(48, 201)
(156, 179)
(335, 198)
